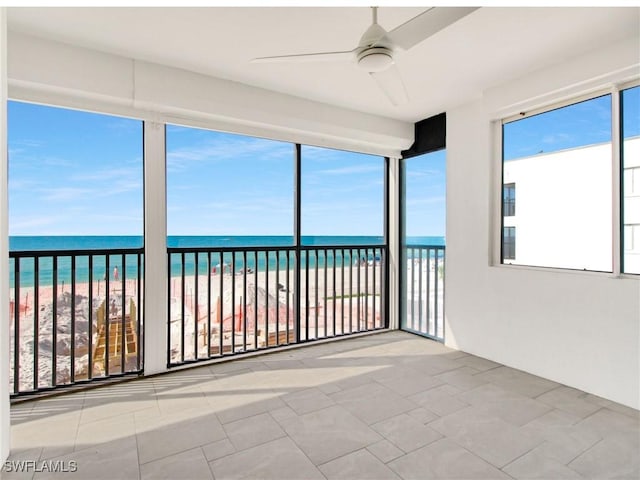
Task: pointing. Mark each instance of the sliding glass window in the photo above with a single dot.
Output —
(630, 108)
(560, 164)
(76, 237)
(225, 189)
(342, 197)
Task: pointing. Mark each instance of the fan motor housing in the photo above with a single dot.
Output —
(375, 59)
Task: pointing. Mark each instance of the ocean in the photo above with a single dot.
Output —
(130, 268)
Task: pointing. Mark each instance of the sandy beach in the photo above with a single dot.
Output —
(213, 311)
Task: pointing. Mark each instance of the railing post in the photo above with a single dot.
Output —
(393, 241)
(155, 250)
(297, 236)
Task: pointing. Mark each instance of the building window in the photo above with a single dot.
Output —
(561, 160)
(509, 200)
(509, 243)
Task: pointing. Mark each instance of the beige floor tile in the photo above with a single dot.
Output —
(251, 431)
(162, 442)
(518, 381)
(350, 407)
(490, 438)
(444, 459)
(189, 465)
(385, 451)
(330, 433)
(537, 466)
(308, 400)
(359, 465)
(277, 460)
(372, 402)
(215, 450)
(440, 400)
(108, 461)
(613, 457)
(405, 433)
(569, 400)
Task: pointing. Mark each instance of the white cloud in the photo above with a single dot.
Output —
(351, 169)
(231, 148)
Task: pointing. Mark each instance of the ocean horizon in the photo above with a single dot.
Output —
(130, 268)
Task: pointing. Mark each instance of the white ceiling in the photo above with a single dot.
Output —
(484, 49)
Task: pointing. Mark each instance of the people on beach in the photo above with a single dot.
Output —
(116, 275)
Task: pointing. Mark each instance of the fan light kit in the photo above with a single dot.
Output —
(377, 48)
(375, 59)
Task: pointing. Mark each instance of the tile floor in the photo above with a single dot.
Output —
(385, 406)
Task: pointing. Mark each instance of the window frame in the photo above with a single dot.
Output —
(617, 224)
(621, 183)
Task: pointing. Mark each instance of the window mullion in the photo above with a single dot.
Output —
(616, 182)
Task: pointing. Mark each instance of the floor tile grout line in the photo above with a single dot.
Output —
(213, 475)
(297, 446)
(520, 456)
(169, 455)
(482, 458)
(137, 453)
(583, 452)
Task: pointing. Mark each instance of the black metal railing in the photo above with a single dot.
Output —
(225, 301)
(76, 316)
(424, 291)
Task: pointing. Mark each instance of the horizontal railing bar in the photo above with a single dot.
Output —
(270, 348)
(272, 248)
(228, 249)
(74, 253)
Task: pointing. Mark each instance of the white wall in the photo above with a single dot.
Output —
(4, 248)
(563, 208)
(55, 73)
(581, 329)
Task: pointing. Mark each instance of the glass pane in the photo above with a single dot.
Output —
(342, 197)
(76, 183)
(73, 173)
(423, 239)
(560, 164)
(226, 189)
(631, 173)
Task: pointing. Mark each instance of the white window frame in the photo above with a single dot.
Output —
(616, 171)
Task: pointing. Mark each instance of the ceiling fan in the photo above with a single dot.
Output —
(377, 48)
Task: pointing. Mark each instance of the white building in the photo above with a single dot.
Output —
(563, 208)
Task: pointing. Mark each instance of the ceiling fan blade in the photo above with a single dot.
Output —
(426, 24)
(307, 57)
(390, 82)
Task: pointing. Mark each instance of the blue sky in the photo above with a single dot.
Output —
(78, 173)
(73, 173)
(576, 125)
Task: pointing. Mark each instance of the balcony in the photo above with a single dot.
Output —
(383, 405)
